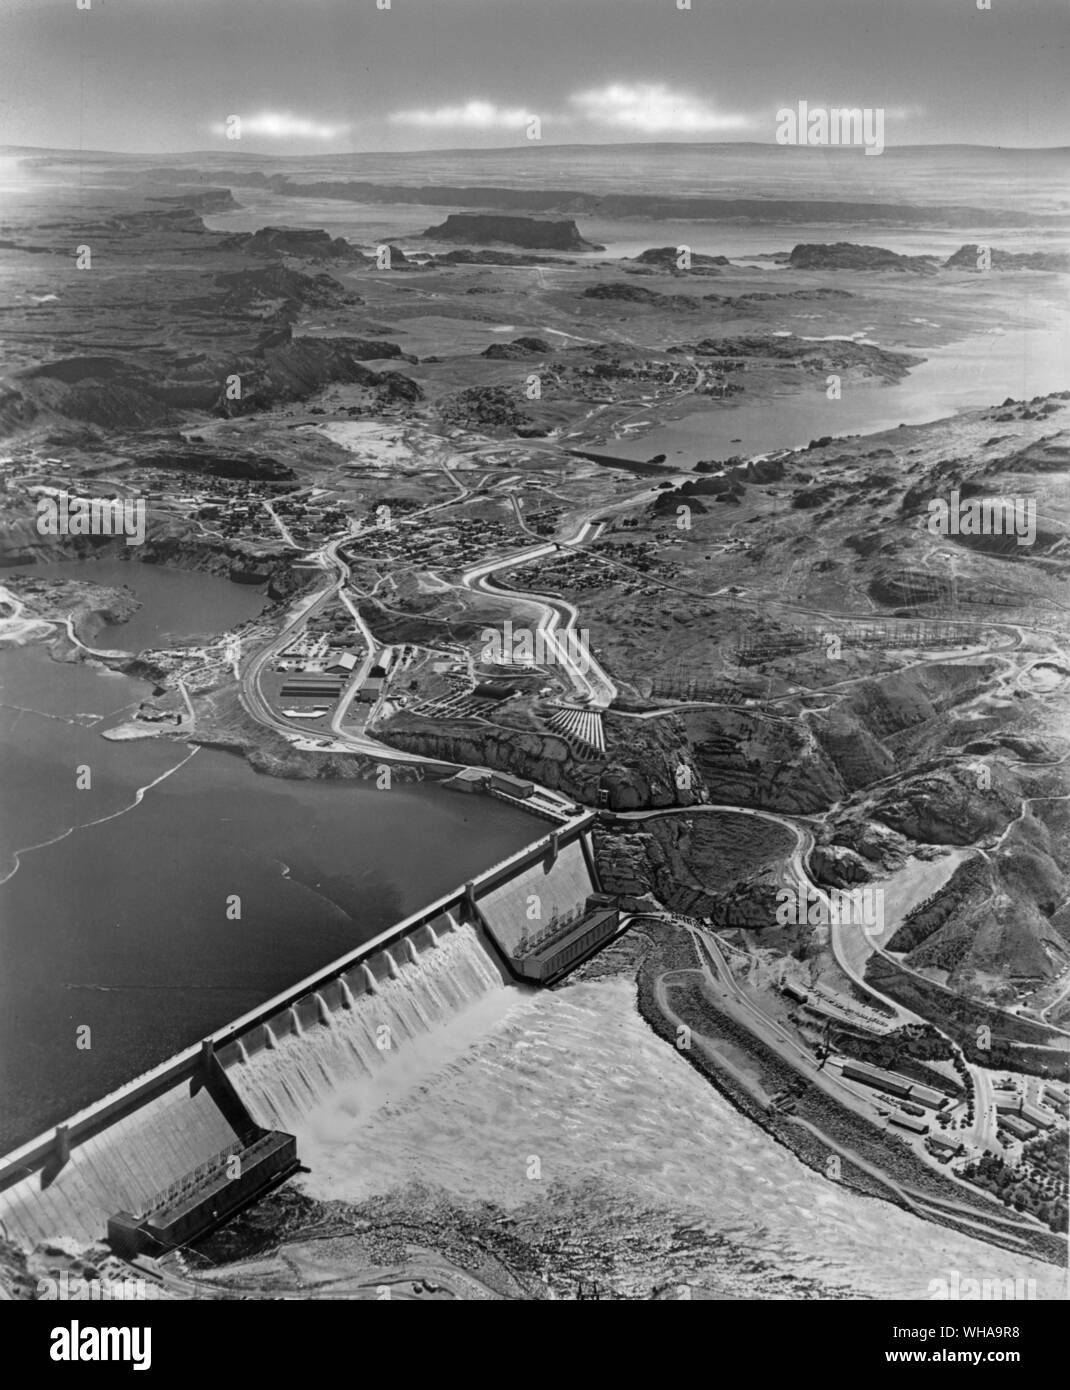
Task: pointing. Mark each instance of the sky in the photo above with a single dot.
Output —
(308, 76)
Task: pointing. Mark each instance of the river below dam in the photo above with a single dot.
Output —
(114, 900)
(567, 1112)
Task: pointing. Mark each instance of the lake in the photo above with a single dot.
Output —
(114, 914)
(978, 371)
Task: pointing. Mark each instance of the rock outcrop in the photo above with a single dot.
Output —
(518, 349)
(639, 294)
(970, 257)
(668, 258)
(537, 233)
(278, 292)
(832, 355)
(202, 200)
(306, 243)
(847, 255)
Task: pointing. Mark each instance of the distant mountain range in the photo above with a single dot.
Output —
(921, 186)
(714, 147)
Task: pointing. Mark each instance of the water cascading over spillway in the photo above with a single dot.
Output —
(404, 999)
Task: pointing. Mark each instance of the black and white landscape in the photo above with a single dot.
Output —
(534, 659)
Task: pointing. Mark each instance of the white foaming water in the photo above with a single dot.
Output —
(356, 1059)
(577, 1079)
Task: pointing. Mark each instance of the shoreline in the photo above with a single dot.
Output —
(814, 1150)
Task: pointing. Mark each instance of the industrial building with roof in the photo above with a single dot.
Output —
(205, 1198)
(895, 1084)
(511, 786)
(943, 1150)
(311, 685)
(873, 1076)
(1036, 1116)
(910, 1123)
(570, 946)
(928, 1096)
(1014, 1124)
(370, 691)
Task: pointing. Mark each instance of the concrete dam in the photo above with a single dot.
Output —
(173, 1153)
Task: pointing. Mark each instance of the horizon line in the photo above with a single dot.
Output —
(537, 145)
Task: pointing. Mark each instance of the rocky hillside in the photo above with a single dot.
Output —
(995, 924)
(115, 394)
(882, 364)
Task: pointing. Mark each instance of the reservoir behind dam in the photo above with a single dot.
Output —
(122, 925)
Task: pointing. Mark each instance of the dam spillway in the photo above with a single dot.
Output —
(377, 1010)
(268, 1071)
